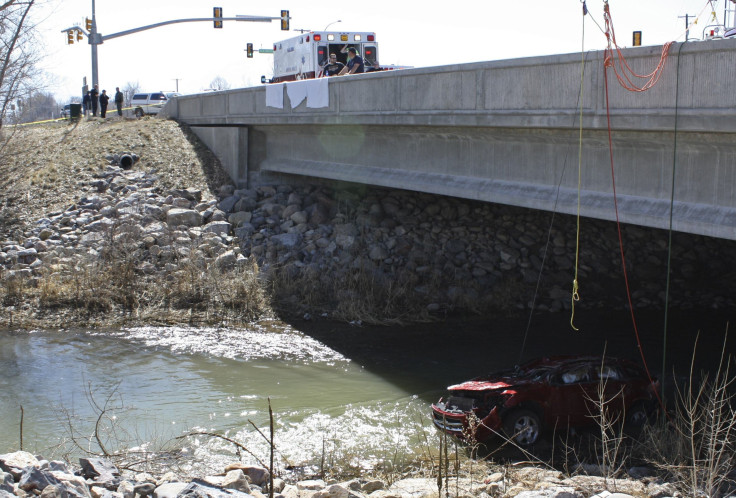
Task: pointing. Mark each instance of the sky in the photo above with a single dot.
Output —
(187, 57)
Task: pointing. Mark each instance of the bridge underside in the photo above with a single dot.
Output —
(537, 169)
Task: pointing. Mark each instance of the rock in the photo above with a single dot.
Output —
(278, 484)
(75, 485)
(171, 490)
(217, 227)
(186, 217)
(299, 217)
(371, 486)
(415, 487)
(333, 491)
(6, 481)
(201, 489)
(257, 475)
(144, 489)
(126, 489)
(226, 259)
(54, 491)
(228, 203)
(93, 468)
(287, 240)
(34, 478)
(311, 485)
(237, 219)
(16, 462)
(236, 479)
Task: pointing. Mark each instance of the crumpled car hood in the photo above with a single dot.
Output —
(481, 385)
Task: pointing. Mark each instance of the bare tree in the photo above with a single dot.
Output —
(38, 106)
(219, 83)
(18, 57)
(130, 89)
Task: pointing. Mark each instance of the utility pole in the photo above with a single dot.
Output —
(687, 25)
(177, 84)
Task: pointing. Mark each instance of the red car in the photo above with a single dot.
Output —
(547, 393)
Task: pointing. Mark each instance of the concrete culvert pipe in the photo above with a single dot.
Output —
(126, 161)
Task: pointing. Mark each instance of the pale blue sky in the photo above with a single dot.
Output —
(412, 33)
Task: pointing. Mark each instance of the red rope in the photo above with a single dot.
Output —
(621, 243)
(621, 69)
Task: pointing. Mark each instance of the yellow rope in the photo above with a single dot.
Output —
(575, 296)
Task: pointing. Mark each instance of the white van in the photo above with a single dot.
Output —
(150, 103)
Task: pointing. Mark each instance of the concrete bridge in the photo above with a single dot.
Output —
(503, 132)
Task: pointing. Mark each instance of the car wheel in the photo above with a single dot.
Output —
(139, 113)
(638, 416)
(523, 426)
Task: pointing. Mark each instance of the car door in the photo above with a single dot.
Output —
(573, 394)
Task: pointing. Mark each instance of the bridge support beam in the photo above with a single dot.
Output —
(230, 145)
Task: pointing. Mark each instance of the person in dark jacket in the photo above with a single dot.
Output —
(104, 99)
(119, 100)
(86, 102)
(94, 96)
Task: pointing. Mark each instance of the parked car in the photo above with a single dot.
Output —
(546, 393)
(66, 111)
(150, 103)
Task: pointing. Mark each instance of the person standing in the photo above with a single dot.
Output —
(119, 100)
(94, 96)
(104, 99)
(86, 102)
(355, 63)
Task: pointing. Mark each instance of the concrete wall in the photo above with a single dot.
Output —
(507, 132)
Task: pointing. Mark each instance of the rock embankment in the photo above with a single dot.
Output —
(346, 252)
(23, 475)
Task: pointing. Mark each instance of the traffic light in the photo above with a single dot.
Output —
(637, 39)
(284, 20)
(88, 24)
(70, 37)
(80, 37)
(249, 50)
(217, 14)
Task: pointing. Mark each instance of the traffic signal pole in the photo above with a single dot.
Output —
(91, 40)
(94, 38)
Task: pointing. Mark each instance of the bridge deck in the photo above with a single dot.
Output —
(505, 132)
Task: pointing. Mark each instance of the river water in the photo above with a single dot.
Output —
(337, 391)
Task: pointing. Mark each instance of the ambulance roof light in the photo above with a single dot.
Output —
(330, 37)
(356, 37)
(371, 37)
(317, 37)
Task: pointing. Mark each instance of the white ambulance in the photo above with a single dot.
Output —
(304, 56)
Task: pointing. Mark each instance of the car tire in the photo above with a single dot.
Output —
(523, 426)
(639, 415)
(139, 113)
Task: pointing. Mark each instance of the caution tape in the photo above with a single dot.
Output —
(64, 119)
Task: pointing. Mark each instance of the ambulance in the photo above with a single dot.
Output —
(304, 56)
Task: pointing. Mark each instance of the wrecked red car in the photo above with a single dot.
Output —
(547, 394)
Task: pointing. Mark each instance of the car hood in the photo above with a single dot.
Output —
(481, 385)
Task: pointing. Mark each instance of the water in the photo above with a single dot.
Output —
(158, 383)
(339, 393)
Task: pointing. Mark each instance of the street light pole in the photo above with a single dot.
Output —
(333, 22)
